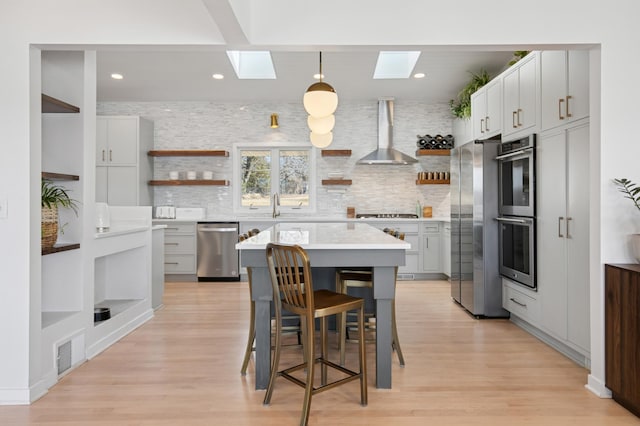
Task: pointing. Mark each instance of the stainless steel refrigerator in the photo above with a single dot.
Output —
(475, 278)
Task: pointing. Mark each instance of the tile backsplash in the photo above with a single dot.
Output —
(375, 188)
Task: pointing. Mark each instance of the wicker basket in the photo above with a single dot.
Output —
(49, 230)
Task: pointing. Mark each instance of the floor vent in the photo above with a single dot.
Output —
(405, 277)
(64, 357)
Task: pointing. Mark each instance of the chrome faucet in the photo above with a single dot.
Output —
(276, 203)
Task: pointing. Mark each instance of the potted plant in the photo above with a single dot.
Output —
(632, 192)
(461, 107)
(53, 196)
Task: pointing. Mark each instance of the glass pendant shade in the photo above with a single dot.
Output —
(320, 100)
(321, 125)
(321, 141)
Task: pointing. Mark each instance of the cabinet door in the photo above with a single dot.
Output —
(551, 232)
(122, 136)
(526, 115)
(431, 253)
(122, 186)
(479, 113)
(577, 106)
(510, 102)
(577, 236)
(446, 249)
(102, 148)
(553, 84)
(493, 123)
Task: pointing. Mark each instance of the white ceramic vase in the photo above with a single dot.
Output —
(634, 241)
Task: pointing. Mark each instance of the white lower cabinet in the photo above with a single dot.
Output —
(431, 247)
(446, 248)
(180, 247)
(563, 234)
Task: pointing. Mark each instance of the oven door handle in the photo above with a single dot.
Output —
(509, 220)
(513, 154)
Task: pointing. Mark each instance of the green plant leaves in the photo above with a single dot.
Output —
(461, 107)
(630, 189)
(54, 195)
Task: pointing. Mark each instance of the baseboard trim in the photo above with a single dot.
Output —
(597, 387)
(118, 334)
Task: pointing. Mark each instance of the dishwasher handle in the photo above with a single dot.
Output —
(217, 229)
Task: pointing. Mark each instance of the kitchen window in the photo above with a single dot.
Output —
(286, 170)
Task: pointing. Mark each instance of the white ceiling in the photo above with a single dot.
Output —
(185, 75)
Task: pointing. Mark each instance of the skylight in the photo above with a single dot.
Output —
(252, 64)
(395, 64)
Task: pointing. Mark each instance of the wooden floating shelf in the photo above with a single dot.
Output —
(422, 152)
(54, 105)
(336, 153)
(199, 182)
(336, 181)
(59, 176)
(57, 248)
(188, 153)
(433, 182)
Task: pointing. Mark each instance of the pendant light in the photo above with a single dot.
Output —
(321, 140)
(320, 99)
(321, 125)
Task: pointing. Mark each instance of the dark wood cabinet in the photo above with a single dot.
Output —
(622, 334)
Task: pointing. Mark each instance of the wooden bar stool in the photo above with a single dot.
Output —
(346, 278)
(290, 272)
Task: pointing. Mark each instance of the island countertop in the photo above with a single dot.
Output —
(324, 236)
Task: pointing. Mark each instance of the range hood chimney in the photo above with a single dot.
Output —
(385, 154)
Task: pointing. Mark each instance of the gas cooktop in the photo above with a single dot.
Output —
(387, 215)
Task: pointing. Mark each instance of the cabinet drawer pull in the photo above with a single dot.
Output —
(170, 244)
(568, 113)
(560, 116)
(171, 263)
(486, 123)
(481, 123)
(560, 219)
(519, 123)
(513, 119)
(568, 219)
(173, 229)
(524, 305)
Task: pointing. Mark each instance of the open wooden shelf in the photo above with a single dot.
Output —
(57, 248)
(54, 105)
(336, 153)
(422, 152)
(59, 176)
(336, 181)
(179, 182)
(188, 153)
(433, 182)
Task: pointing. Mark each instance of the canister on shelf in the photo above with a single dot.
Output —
(427, 211)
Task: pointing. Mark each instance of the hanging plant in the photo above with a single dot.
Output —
(461, 107)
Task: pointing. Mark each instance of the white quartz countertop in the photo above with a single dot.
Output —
(121, 229)
(324, 236)
(280, 219)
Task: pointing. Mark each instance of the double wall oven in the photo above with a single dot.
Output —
(517, 198)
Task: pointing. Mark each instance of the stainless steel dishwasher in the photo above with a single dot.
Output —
(217, 255)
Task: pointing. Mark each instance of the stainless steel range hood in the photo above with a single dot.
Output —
(385, 154)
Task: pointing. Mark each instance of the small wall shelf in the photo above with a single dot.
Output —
(433, 182)
(336, 153)
(422, 152)
(59, 176)
(188, 153)
(54, 105)
(57, 248)
(200, 182)
(336, 181)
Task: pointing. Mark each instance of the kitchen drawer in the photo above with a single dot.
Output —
(520, 304)
(180, 264)
(180, 228)
(431, 227)
(180, 244)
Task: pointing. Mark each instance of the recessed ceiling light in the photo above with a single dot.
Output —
(252, 64)
(117, 76)
(395, 64)
(218, 76)
(419, 75)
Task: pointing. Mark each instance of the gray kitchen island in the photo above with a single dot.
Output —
(329, 245)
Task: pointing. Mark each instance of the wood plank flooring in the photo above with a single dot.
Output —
(182, 368)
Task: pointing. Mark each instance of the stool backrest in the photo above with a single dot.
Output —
(290, 273)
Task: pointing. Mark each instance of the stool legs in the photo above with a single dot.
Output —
(251, 339)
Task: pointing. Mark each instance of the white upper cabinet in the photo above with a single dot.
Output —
(117, 141)
(520, 88)
(486, 107)
(564, 86)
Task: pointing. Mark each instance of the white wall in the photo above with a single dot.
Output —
(469, 22)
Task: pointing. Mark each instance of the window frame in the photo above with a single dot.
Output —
(275, 149)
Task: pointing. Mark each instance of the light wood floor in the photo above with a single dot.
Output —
(182, 368)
